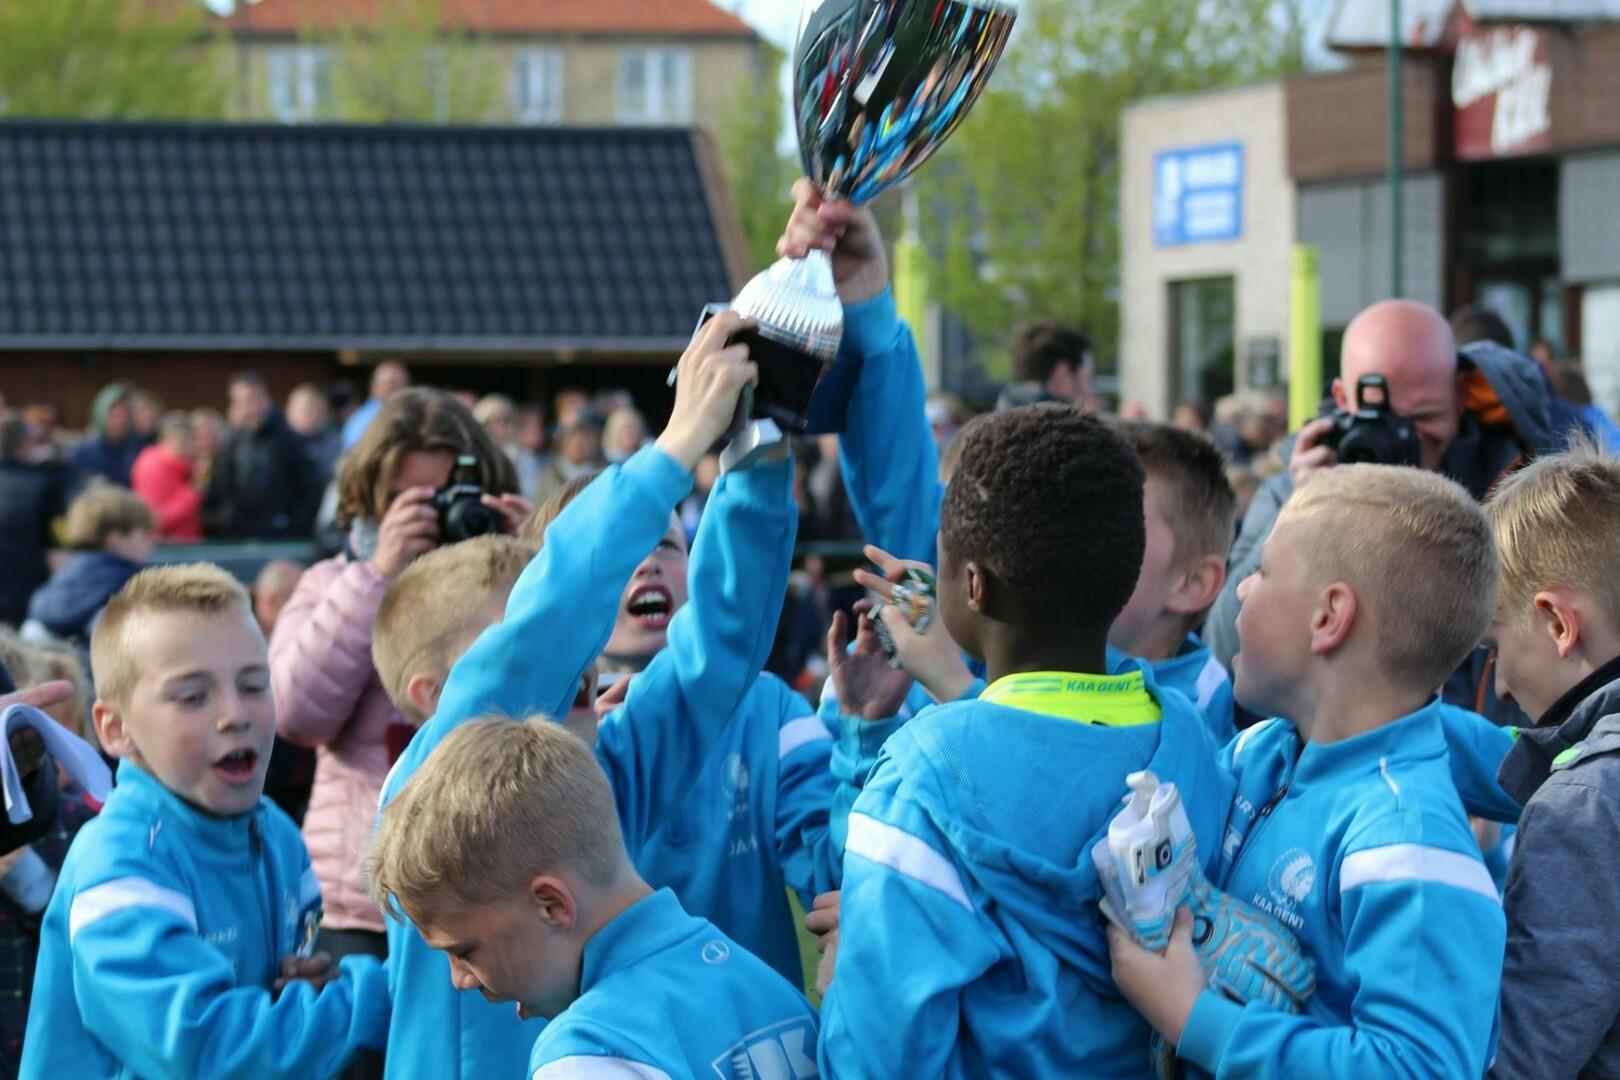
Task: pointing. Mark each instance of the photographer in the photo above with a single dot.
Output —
(392, 500)
(1475, 415)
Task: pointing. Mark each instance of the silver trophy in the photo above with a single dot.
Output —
(878, 85)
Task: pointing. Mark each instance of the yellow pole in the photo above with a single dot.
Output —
(1304, 337)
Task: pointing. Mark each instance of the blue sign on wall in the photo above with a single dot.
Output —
(1198, 194)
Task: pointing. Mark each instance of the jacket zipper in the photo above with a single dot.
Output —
(1264, 814)
(266, 878)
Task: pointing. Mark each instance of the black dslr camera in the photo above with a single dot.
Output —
(462, 513)
(1372, 434)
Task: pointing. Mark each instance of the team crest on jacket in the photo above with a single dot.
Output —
(734, 782)
(785, 1051)
(1292, 877)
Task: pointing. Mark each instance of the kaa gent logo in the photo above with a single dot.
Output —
(1292, 877)
(785, 1051)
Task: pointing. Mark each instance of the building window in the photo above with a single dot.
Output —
(537, 86)
(655, 86)
(1203, 338)
(300, 83)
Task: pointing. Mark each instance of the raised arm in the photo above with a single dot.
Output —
(654, 746)
(890, 465)
(561, 611)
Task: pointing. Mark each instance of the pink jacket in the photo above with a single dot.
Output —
(328, 697)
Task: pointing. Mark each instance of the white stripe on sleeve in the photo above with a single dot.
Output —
(1416, 862)
(309, 888)
(592, 1067)
(1210, 681)
(904, 854)
(109, 898)
(800, 732)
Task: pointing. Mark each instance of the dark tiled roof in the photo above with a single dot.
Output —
(213, 236)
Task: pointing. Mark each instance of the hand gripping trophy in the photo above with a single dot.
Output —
(878, 85)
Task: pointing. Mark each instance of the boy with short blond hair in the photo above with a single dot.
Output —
(183, 910)
(1188, 506)
(434, 610)
(505, 851)
(1374, 585)
(112, 529)
(1557, 640)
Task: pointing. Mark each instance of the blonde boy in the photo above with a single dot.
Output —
(182, 909)
(1346, 826)
(1188, 506)
(1557, 640)
(437, 608)
(504, 850)
(112, 530)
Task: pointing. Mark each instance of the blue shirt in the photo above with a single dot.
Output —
(558, 619)
(970, 938)
(355, 426)
(1361, 848)
(164, 938)
(666, 994)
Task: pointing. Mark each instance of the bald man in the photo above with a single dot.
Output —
(1433, 386)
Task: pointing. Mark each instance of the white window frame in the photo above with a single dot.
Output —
(666, 86)
(298, 79)
(537, 86)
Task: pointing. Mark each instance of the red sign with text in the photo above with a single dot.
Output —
(1501, 87)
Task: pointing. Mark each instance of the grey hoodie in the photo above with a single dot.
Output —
(1561, 976)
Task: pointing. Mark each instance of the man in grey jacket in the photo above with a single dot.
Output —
(1478, 414)
(1557, 634)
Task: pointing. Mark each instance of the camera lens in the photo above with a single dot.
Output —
(467, 518)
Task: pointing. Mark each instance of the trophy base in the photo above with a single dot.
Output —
(757, 441)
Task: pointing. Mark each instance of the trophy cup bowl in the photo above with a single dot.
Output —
(878, 86)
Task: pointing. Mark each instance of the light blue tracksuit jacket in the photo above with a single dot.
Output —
(164, 939)
(1362, 848)
(559, 616)
(971, 942)
(665, 994)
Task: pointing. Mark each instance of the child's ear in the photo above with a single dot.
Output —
(110, 730)
(1562, 620)
(554, 902)
(978, 586)
(1199, 586)
(423, 693)
(1334, 617)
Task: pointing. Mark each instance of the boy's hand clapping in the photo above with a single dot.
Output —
(866, 685)
(844, 231)
(933, 659)
(711, 375)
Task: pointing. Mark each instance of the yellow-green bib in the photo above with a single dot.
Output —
(1113, 700)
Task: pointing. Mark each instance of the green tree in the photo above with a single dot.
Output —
(105, 59)
(758, 171)
(403, 65)
(1023, 206)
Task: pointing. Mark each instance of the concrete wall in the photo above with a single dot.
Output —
(1255, 117)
